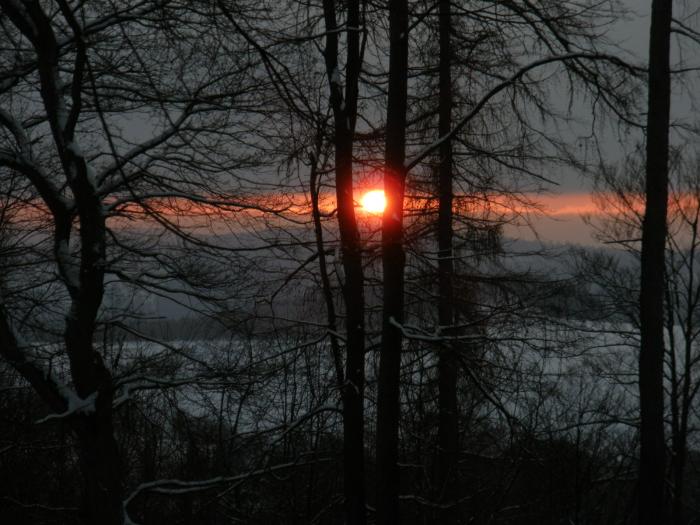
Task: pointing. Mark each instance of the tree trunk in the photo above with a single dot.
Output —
(393, 261)
(100, 466)
(679, 444)
(344, 107)
(651, 506)
(447, 363)
(678, 451)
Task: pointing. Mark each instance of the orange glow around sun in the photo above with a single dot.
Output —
(374, 201)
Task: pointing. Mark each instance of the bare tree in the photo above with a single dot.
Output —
(448, 428)
(393, 263)
(581, 62)
(73, 77)
(343, 103)
(208, 154)
(620, 199)
(652, 508)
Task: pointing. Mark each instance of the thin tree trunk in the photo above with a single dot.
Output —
(393, 261)
(676, 459)
(682, 401)
(651, 505)
(336, 352)
(447, 364)
(678, 473)
(679, 445)
(344, 105)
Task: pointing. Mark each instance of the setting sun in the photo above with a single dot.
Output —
(374, 201)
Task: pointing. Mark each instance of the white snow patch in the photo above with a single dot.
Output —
(335, 76)
(74, 148)
(62, 117)
(76, 404)
(65, 261)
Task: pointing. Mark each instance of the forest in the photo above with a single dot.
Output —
(280, 262)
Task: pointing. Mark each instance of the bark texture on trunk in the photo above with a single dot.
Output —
(393, 262)
(651, 505)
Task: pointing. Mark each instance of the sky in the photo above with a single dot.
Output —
(571, 197)
(567, 202)
(561, 222)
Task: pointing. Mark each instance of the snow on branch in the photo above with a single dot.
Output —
(417, 334)
(176, 487)
(76, 405)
